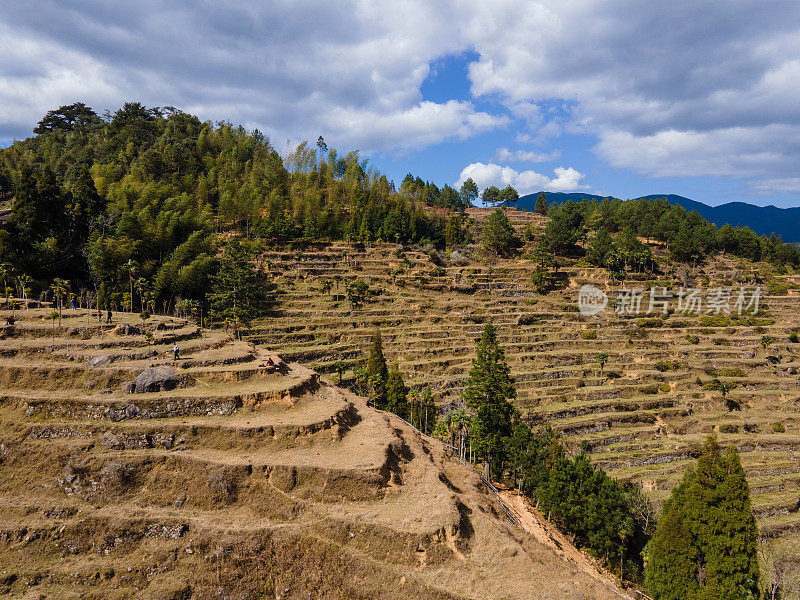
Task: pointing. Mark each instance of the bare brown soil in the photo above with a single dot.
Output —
(244, 481)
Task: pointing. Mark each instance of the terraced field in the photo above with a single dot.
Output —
(647, 417)
(127, 474)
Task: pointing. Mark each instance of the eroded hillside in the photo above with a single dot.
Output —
(230, 473)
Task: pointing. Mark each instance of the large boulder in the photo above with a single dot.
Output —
(156, 379)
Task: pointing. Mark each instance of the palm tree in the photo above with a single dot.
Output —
(53, 316)
(60, 288)
(602, 358)
(725, 389)
(459, 421)
(339, 369)
(141, 286)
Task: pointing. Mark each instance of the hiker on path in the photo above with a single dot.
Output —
(176, 351)
(108, 317)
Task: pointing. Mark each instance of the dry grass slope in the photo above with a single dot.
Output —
(645, 421)
(236, 480)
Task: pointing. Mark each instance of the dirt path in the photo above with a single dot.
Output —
(532, 522)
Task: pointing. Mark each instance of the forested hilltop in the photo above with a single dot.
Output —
(130, 210)
(133, 202)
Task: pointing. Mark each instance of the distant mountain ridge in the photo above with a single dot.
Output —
(764, 220)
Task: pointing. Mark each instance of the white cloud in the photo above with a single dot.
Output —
(350, 71)
(422, 125)
(525, 182)
(668, 89)
(738, 151)
(786, 185)
(506, 155)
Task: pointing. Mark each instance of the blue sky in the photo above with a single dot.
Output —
(616, 97)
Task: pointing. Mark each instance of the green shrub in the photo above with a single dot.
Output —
(731, 373)
(793, 337)
(668, 365)
(649, 389)
(638, 334)
(729, 428)
(692, 339)
(650, 323)
(589, 335)
(778, 428)
(698, 381)
(715, 320)
(664, 388)
(679, 324)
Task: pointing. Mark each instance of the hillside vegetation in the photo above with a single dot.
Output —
(318, 260)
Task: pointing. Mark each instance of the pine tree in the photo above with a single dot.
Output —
(508, 195)
(490, 196)
(488, 391)
(469, 192)
(599, 247)
(671, 570)
(453, 235)
(705, 545)
(396, 393)
(541, 204)
(498, 234)
(235, 292)
(377, 372)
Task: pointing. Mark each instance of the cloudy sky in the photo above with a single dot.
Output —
(618, 97)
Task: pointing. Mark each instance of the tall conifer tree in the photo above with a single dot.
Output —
(488, 391)
(396, 393)
(541, 204)
(705, 545)
(377, 371)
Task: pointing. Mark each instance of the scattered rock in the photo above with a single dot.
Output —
(128, 387)
(99, 361)
(127, 330)
(156, 379)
